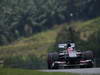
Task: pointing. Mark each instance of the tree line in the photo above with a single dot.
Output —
(22, 18)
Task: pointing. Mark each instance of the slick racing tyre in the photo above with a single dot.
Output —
(52, 57)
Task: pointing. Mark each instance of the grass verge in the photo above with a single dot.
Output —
(9, 71)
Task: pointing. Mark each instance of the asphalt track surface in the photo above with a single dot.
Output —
(80, 71)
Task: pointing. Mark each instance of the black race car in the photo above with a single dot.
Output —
(70, 57)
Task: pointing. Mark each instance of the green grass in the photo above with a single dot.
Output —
(13, 71)
(29, 52)
(87, 34)
(88, 28)
(37, 44)
(9, 71)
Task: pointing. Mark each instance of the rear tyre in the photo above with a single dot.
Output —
(88, 55)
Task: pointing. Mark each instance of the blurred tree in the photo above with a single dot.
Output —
(23, 17)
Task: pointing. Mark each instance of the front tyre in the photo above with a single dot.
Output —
(52, 57)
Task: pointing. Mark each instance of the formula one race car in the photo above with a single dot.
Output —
(70, 57)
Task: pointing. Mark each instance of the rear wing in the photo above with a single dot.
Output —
(62, 45)
(65, 45)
